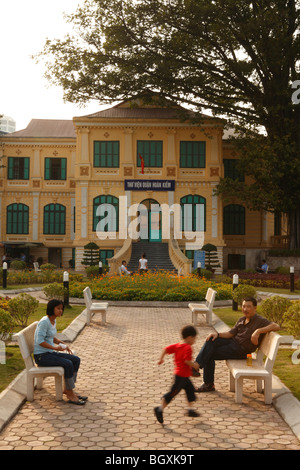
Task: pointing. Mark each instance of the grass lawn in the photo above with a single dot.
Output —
(14, 361)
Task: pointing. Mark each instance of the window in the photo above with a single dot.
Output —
(192, 154)
(106, 214)
(193, 213)
(106, 154)
(54, 219)
(18, 168)
(231, 170)
(236, 261)
(106, 255)
(151, 151)
(55, 168)
(234, 220)
(17, 220)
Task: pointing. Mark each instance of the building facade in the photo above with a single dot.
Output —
(132, 172)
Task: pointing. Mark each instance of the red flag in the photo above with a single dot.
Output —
(142, 163)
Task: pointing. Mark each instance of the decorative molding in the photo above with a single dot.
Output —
(84, 171)
(214, 171)
(128, 170)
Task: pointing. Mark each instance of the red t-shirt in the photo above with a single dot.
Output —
(182, 352)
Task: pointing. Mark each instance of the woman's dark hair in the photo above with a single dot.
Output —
(52, 304)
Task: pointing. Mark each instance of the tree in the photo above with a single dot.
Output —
(231, 58)
(90, 254)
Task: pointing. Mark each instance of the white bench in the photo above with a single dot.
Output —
(94, 307)
(25, 340)
(36, 267)
(261, 369)
(206, 308)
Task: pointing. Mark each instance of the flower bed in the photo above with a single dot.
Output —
(280, 281)
(160, 286)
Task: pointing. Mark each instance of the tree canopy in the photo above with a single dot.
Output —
(235, 59)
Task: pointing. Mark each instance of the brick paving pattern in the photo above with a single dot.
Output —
(119, 373)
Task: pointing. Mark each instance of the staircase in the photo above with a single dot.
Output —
(157, 255)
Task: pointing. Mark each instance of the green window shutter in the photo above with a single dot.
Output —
(106, 154)
(47, 168)
(231, 170)
(17, 220)
(192, 154)
(109, 217)
(63, 168)
(193, 213)
(234, 220)
(26, 168)
(10, 170)
(54, 219)
(151, 152)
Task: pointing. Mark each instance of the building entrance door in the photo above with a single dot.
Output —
(150, 221)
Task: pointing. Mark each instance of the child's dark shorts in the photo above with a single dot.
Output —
(181, 383)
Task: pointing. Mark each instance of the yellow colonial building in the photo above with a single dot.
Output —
(123, 177)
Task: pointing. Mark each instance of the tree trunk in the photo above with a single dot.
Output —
(294, 229)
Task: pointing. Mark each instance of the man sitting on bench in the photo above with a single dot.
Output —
(236, 343)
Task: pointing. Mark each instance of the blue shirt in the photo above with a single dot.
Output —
(45, 331)
(264, 267)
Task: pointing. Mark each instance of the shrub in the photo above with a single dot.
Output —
(6, 325)
(274, 309)
(54, 290)
(292, 319)
(21, 308)
(204, 273)
(242, 291)
(48, 267)
(18, 265)
(282, 270)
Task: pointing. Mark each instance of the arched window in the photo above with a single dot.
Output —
(193, 213)
(17, 220)
(234, 220)
(54, 219)
(106, 214)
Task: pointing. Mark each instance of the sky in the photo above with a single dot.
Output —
(25, 93)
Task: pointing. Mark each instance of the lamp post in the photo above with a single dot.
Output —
(292, 278)
(199, 268)
(66, 290)
(100, 268)
(4, 274)
(235, 283)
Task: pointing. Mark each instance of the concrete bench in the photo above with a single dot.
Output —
(25, 340)
(94, 307)
(204, 309)
(261, 369)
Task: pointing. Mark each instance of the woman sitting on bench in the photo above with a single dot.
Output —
(50, 351)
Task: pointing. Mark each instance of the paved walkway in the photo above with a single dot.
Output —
(119, 373)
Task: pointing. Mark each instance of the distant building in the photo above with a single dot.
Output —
(7, 124)
(68, 183)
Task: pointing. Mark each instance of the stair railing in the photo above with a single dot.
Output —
(123, 254)
(180, 261)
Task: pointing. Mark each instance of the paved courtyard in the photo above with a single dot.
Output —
(120, 375)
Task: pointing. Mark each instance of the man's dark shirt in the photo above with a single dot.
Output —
(242, 332)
